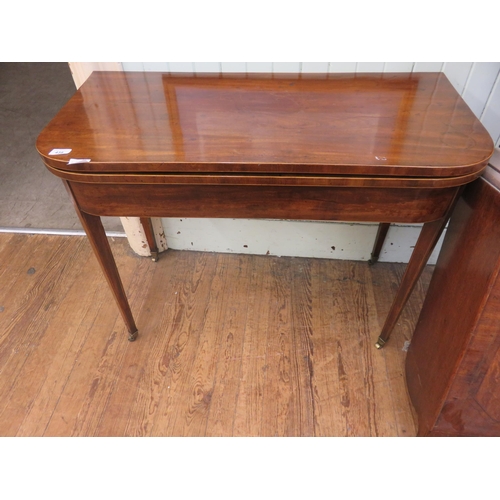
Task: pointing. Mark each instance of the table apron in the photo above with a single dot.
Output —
(356, 204)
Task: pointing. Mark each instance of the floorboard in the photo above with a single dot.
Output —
(229, 345)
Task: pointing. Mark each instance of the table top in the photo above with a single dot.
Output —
(387, 124)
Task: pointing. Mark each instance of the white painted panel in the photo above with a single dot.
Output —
(342, 67)
(234, 67)
(181, 67)
(161, 67)
(137, 238)
(133, 66)
(260, 67)
(290, 238)
(480, 84)
(286, 67)
(370, 67)
(400, 242)
(398, 67)
(314, 67)
(273, 237)
(495, 158)
(81, 71)
(491, 114)
(428, 67)
(457, 73)
(207, 67)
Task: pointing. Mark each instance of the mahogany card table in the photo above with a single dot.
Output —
(386, 148)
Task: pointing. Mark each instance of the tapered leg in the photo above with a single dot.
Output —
(427, 240)
(150, 237)
(383, 227)
(99, 241)
(429, 236)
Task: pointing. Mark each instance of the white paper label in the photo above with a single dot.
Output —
(60, 152)
(78, 160)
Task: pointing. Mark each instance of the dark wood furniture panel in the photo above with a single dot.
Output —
(453, 363)
(278, 202)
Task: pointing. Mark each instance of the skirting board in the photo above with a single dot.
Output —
(324, 240)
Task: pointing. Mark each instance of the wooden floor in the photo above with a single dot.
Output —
(228, 345)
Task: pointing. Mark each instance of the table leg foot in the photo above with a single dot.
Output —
(133, 336)
(380, 343)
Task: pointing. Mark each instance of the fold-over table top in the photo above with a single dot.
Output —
(395, 125)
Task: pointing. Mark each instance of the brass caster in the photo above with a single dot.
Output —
(154, 256)
(133, 336)
(380, 343)
(372, 260)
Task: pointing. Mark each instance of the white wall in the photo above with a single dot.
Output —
(479, 85)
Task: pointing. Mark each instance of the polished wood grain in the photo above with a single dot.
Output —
(345, 204)
(336, 124)
(453, 363)
(232, 345)
(373, 147)
(266, 180)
